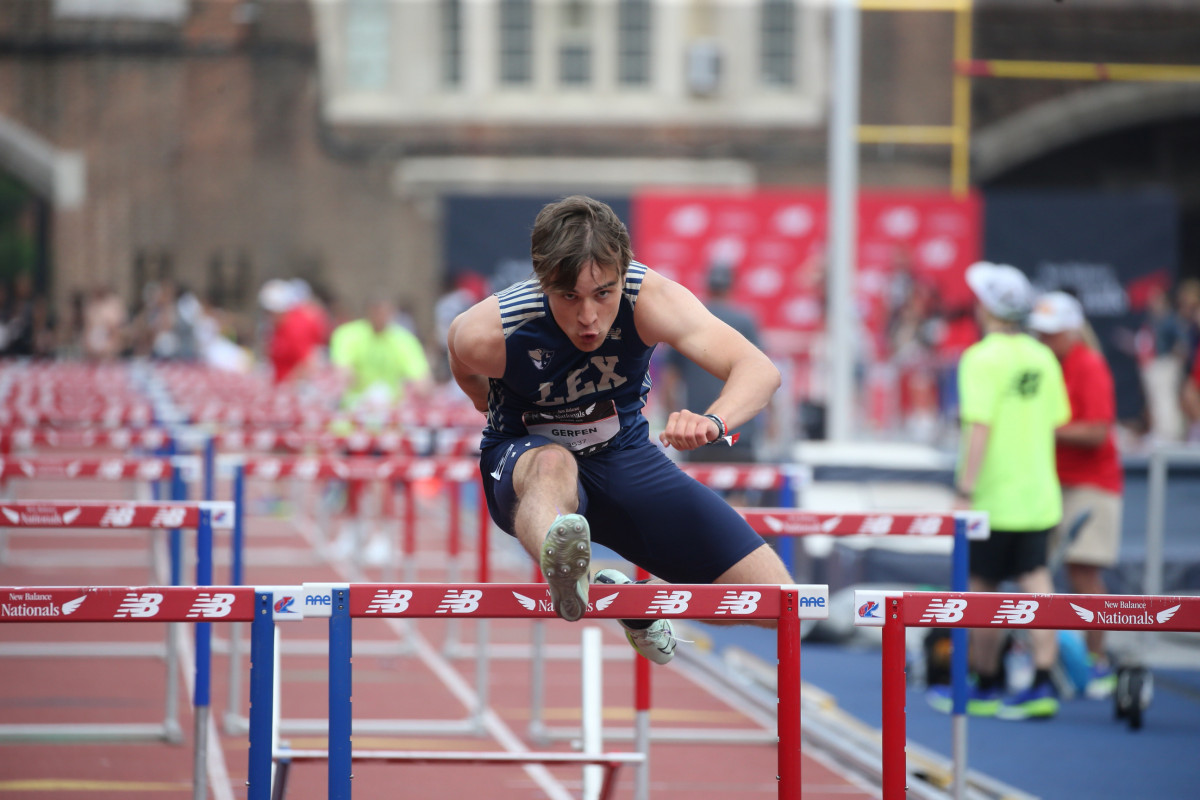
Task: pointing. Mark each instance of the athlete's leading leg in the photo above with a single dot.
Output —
(545, 480)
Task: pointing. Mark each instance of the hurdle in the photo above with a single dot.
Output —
(201, 516)
(788, 523)
(149, 471)
(342, 603)
(198, 605)
(963, 610)
(456, 472)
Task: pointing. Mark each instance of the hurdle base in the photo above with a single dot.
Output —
(401, 727)
(74, 732)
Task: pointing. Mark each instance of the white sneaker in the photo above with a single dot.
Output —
(566, 555)
(656, 642)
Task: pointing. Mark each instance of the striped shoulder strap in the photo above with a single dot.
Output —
(633, 280)
(519, 304)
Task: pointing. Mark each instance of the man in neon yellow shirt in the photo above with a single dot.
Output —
(385, 361)
(1012, 398)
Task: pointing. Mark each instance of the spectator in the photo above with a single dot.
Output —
(1012, 399)
(1165, 338)
(1089, 467)
(297, 330)
(1191, 397)
(385, 361)
(20, 328)
(104, 325)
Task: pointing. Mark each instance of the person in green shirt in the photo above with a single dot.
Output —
(1012, 398)
(386, 365)
(386, 362)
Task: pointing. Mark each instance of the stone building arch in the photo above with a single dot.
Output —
(1051, 125)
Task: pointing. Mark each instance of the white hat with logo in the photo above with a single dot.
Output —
(1002, 289)
(1056, 312)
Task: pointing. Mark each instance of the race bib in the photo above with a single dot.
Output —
(580, 429)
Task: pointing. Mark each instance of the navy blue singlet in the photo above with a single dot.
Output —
(637, 501)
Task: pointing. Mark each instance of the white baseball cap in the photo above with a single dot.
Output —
(1001, 288)
(1056, 312)
(277, 296)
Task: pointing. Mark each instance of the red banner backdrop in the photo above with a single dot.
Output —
(910, 245)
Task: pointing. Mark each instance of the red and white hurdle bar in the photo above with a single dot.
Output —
(895, 613)
(785, 605)
(199, 605)
(203, 517)
(775, 523)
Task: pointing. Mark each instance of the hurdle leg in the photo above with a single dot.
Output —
(894, 723)
(593, 710)
(537, 699)
(262, 704)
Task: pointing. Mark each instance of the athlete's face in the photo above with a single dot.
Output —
(586, 313)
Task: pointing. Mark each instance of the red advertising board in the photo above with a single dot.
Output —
(910, 244)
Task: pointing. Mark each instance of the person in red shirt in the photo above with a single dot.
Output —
(299, 328)
(1089, 466)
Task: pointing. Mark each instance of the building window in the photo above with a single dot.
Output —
(452, 55)
(575, 64)
(575, 47)
(368, 40)
(778, 35)
(634, 37)
(516, 41)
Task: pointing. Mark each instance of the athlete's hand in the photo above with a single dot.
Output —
(687, 430)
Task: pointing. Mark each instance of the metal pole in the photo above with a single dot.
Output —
(895, 731)
(340, 686)
(233, 704)
(843, 196)
(959, 581)
(593, 710)
(788, 722)
(1156, 503)
(262, 660)
(201, 700)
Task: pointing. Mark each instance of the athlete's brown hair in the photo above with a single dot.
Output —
(572, 233)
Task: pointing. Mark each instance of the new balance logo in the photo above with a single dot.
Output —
(669, 602)
(211, 606)
(117, 517)
(944, 611)
(390, 601)
(739, 603)
(1015, 612)
(460, 601)
(169, 518)
(139, 606)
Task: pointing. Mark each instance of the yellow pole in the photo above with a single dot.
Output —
(960, 154)
(1080, 71)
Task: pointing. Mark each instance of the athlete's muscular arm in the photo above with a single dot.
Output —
(476, 347)
(669, 313)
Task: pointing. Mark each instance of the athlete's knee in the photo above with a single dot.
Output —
(550, 462)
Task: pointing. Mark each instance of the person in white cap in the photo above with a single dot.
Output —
(1012, 399)
(298, 328)
(1089, 466)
